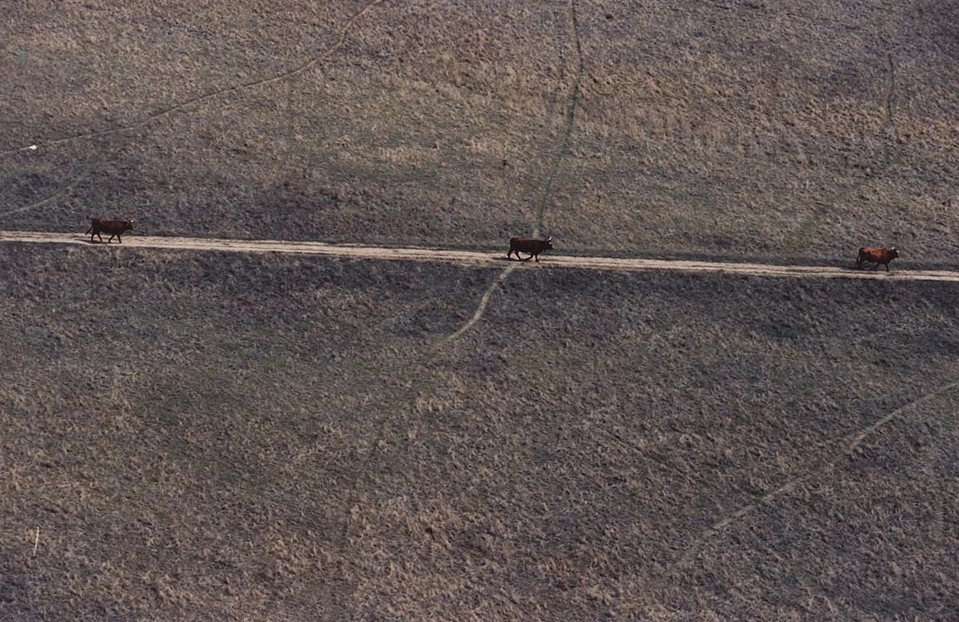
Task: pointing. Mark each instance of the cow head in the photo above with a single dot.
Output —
(893, 252)
(549, 244)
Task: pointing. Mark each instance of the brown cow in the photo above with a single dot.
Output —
(528, 245)
(114, 227)
(876, 256)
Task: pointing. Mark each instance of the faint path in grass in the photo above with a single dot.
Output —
(418, 378)
(889, 120)
(88, 168)
(888, 136)
(845, 446)
(344, 31)
(479, 258)
(484, 301)
(560, 154)
(569, 120)
(90, 164)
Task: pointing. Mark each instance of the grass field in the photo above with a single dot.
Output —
(770, 129)
(190, 435)
(216, 436)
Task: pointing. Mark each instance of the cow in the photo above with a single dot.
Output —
(114, 227)
(530, 246)
(876, 256)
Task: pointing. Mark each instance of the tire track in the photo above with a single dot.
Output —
(480, 258)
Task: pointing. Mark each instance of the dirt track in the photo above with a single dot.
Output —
(474, 257)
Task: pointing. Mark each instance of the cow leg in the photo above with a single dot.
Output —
(537, 258)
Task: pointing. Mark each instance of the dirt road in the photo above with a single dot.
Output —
(492, 258)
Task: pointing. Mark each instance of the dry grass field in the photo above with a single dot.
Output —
(772, 129)
(204, 436)
(252, 437)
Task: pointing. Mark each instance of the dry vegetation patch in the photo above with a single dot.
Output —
(757, 129)
(189, 435)
(216, 435)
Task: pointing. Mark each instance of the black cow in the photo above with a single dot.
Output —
(530, 246)
(114, 227)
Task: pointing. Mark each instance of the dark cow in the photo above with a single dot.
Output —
(876, 256)
(113, 227)
(530, 246)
